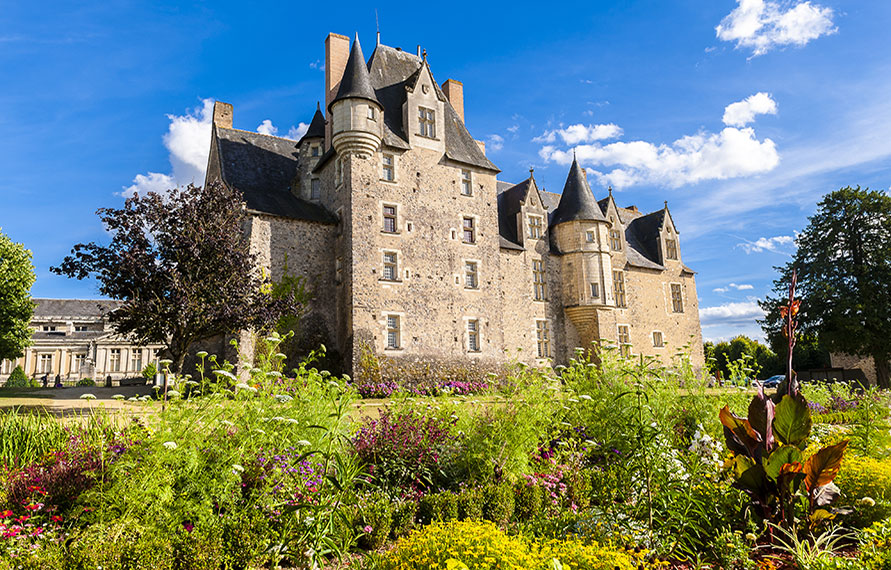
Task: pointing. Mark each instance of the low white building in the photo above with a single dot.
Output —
(73, 339)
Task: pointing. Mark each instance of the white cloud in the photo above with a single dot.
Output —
(579, 133)
(494, 142)
(767, 244)
(743, 112)
(705, 156)
(762, 25)
(267, 128)
(744, 312)
(734, 286)
(317, 64)
(513, 128)
(188, 141)
(296, 133)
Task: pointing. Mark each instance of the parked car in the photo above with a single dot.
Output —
(773, 381)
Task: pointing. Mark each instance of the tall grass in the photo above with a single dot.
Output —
(28, 436)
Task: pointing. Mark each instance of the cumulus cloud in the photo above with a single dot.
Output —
(743, 112)
(513, 128)
(267, 128)
(296, 133)
(579, 133)
(744, 312)
(767, 244)
(494, 142)
(188, 142)
(762, 25)
(733, 287)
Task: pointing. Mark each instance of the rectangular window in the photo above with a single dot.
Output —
(79, 361)
(80, 328)
(393, 332)
(390, 219)
(657, 339)
(595, 290)
(615, 240)
(624, 340)
(49, 328)
(589, 237)
(426, 122)
(315, 189)
(390, 266)
(372, 113)
(114, 360)
(619, 288)
(473, 336)
(389, 167)
(535, 227)
(469, 230)
(471, 275)
(466, 183)
(315, 151)
(539, 279)
(543, 338)
(136, 359)
(45, 364)
(671, 249)
(677, 301)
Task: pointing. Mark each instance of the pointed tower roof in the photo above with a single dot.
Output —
(316, 128)
(356, 82)
(577, 201)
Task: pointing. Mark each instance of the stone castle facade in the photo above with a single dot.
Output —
(414, 250)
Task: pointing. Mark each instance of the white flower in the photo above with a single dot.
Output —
(281, 356)
(226, 423)
(201, 354)
(303, 443)
(585, 397)
(245, 387)
(118, 397)
(273, 339)
(165, 362)
(173, 394)
(225, 373)
(87, 397)
(573, 400)
(867, 502)
(274, 374)
(236, 469)
(170, 444)
(282, 398)
(133, 399)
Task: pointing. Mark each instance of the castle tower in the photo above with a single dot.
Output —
(356, 114)
(580, 233)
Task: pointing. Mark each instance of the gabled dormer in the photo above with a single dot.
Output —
(616, 232)
(423, 113)
(670, 245)
(522, 215)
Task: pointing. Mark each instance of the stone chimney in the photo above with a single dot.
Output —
(454, 92)
(337, 51)
(222, 114)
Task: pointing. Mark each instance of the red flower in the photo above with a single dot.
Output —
(56, 518)
(7, 514)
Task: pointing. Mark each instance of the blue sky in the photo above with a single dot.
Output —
(740, 113)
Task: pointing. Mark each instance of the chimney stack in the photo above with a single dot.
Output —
(337, 51)
(454, 92)
(222, 114)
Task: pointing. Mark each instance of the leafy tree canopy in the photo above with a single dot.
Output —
(16, 306)
(182, 265)
(762, 361)
(844, 277)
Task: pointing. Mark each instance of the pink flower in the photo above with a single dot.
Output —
(367, 529)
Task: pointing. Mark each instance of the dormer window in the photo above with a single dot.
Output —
(615, 240)
(535, 227)
(426, 122)
(671, 249)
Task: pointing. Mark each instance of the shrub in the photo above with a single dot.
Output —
(403, 518)
(86, 382)
(18, 379)
(470, 504)
(120, 546)
(875, 546)
(150, 371)
(529, 501)
(438, 507)
(375, 520)
(407, 451)
(481, 545)
(498, 502)
(866, 485)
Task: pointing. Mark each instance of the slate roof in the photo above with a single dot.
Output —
(262, 167)
(391, 71)
(73, 308)
(316, 128)
(355, 83)
(577, 201)
(508, 206)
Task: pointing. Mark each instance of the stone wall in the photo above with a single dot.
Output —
(855, 361)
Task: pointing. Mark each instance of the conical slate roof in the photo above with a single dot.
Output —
(577, 201)
(356, 82)
(316, 128)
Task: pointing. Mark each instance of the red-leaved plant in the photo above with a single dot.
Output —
(768, 445)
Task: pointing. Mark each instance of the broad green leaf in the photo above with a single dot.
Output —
(741, 464)
(781, 456)
(822, 467)
(754, 481)
(792, 421)
(821, 515)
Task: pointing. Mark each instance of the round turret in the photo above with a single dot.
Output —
(356, 114)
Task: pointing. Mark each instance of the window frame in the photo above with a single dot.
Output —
(426, 122)
(620, 293)
(590, 236)
(42, 359)
(115, 355)
(539, 280)
(134, 352)
(394, 265)
(468, 224)
(388, 167)
(474, 336)
(536, 226)
(615, 239)
(677, 302)
(671, 249)
(466, 182)
(394, 329)
(624, 331)
(661, 337)
(471, 273)
(315, 189)
(394, 216)
(543, 338)
(594, 289)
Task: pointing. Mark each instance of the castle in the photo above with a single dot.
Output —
(414, 250)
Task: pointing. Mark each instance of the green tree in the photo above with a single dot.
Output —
(844, 277)
(16, 306)
(182, 265)
(759, 359)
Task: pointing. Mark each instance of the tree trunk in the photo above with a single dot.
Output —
(882, 379)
